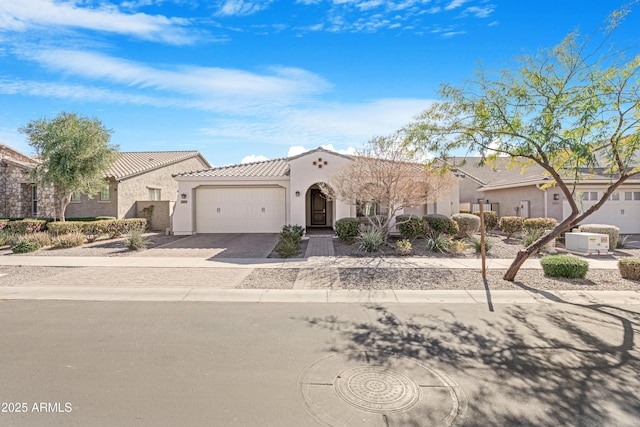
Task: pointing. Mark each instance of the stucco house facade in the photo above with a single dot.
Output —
(512, 192)
(137, 177)
(20, 197)
(261, 197)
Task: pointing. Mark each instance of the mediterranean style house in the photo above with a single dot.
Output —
(261, 197)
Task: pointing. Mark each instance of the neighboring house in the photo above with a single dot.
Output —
(19, 196)
(261, 197)
(137, 180)
(512, 192)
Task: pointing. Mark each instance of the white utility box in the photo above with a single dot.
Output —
(587, 243)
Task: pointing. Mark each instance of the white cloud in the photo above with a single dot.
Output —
(252, 158)
(479, 12)
(242, 7)
(279, 85)
(299, 149)
(455, 4)
(25, 15)
(295, 150)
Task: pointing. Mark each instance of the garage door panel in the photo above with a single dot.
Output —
(240, 210)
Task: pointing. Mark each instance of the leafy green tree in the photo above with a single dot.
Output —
(572, 109)
(75, 154)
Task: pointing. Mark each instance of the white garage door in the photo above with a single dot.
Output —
(623, 210)
(240, 210)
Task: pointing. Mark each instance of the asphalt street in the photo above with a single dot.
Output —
(87, 363)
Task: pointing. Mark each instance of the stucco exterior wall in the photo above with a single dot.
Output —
(510, 198)
(94, 206)
(137, 188)
(161, 215)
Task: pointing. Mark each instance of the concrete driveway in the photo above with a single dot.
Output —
(222, 245)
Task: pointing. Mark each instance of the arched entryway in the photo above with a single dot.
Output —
(320, 212)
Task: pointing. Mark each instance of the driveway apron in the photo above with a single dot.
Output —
(222, 245)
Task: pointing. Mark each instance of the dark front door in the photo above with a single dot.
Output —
(318, 208)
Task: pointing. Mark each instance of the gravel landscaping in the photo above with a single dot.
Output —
(270, 278)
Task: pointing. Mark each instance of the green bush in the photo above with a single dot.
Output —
(566, 266)
(403, 247)
(411, 227)
(468, 224)
(348, 229)
(611, 230)
(438, 243)
(456, 247)
(119, 227)
(288, 245)
(439, 224)
(511, 225)
(59, 228)
(293, 230)
(531, 236)
(25, 245)
(94, 229)
(370, 240)
(69, 240)
(25, 226)
(5, 237)
(477, 245)
(91, 219)
(490, 219)
(629, 268)
(531, 224)
(622, 243)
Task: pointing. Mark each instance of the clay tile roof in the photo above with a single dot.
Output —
(267, 168)
(129, 164)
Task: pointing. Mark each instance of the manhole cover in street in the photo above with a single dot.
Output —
(377, 389)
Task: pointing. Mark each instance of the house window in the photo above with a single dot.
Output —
(104, 194)
(76, 197)
(615, 196)
(628, 195)
(585, 196)
(636, 195)
(593, 195)
(154, 194)
(34, 201)
(367, 209)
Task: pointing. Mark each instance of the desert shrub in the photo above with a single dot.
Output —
(348, 229)
(622, 243)
(439, 224)
(135, 240)
(629, 268)
(66, 227)
(4, 223)
(370, 240)
(25, 245)
(5, 237)
(438, 243)
(69, 240)
(490, 219)
(293, 230)
(411, 227)
(477, 245)
(287, 247)
(468, 224)
(119, 227)
(611, 230)
(531, 224)
(511, 225)
(531, 236)
(466, 211)
(403, 247)
(26, 226)
(566, 266)
(456, 247)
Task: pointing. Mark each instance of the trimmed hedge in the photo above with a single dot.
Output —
(566, 266)
(468, 224)
(94, 229)
(531, 224)
(441, 224)
(611, 230)
(411, 227)
(511, 225)
(348, 229)
(490, 219)
(629, 268)
(25, 226)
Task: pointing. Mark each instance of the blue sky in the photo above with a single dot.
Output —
(243, 80)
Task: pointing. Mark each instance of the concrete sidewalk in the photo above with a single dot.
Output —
(311, 262)
(176, 294)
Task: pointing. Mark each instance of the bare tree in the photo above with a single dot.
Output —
(383, 173)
